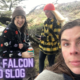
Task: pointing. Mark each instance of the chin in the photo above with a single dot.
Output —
(19, 26)
(76, 71)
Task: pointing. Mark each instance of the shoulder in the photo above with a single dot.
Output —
(49, 75)
(8, 28)
(47, 20)
(58, 22)
(8, 31)
(11, 27)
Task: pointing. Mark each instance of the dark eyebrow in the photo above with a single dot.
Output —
(67, 40)
(64, 40)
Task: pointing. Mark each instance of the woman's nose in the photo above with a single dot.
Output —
(73, 50)
(20, 19)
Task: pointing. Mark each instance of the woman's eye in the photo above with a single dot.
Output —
(17, 17)
(79, 42)
(22, 17)
(66, 44)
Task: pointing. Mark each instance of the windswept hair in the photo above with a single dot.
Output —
(59, 17)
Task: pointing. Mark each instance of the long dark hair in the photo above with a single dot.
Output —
(60, 66)
(24, 28)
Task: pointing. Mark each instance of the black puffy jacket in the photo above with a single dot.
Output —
(9, 42)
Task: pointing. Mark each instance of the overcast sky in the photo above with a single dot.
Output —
(30, 4)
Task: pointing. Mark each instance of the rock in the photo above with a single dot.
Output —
(1, 28)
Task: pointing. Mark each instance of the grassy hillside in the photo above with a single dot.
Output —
(70, 10)
(37, 18)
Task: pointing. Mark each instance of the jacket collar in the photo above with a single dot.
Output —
(12, 26)
(76, 76)
(50, 21)
(66, 77)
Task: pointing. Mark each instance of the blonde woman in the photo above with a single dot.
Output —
(49, 45)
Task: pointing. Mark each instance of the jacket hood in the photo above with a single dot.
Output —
(12, 26)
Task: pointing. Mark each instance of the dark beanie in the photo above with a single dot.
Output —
(18, 11)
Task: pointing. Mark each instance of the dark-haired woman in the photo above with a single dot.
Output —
(14, 39)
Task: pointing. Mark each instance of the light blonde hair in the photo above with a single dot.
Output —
(59, 17)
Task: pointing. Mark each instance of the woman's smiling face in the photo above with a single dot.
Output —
(19, 21)
(48, 14)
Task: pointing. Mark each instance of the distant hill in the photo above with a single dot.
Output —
(70, 10)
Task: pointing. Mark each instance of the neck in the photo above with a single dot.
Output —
(51, 17)
(18, 29)
(76, 76)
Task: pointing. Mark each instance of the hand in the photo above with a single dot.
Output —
(27, 54)
(20, 45)
(39, 38)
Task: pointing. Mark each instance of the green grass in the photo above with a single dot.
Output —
(36, 26)
(36, 51)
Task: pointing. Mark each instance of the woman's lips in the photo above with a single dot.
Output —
(75, 63)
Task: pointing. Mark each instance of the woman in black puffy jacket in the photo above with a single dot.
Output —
(14, 39)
